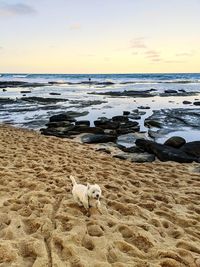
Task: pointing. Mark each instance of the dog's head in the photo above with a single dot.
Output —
(94, 191)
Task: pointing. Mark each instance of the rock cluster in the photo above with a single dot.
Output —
(104, 130)
(108, 133)
(186, 153)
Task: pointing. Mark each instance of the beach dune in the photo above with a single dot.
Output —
(151, 211)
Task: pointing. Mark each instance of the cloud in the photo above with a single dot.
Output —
(15, 9)
(138, 43)
(153, 55)
(185, 54)
(75, 27)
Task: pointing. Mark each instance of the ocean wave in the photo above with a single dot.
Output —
(20, 76)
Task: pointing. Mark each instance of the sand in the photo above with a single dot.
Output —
(151, 212)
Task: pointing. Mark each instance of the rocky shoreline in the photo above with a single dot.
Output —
(108, 131)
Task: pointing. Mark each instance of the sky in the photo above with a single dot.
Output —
(99, 36)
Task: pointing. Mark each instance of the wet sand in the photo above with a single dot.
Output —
(151, 211)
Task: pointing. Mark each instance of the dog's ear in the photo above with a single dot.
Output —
(88, 186)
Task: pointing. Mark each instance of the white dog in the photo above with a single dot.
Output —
(87, 196)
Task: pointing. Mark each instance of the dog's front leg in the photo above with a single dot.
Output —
(86, 205)
(98, 205)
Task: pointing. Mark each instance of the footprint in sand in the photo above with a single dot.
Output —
(95, 230)
(7, 254)
(123, 209)
(176, 258)
(88, 243)
(140, 241)
(31, 226)
(66, 253)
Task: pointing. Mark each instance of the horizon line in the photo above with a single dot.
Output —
(109, 73)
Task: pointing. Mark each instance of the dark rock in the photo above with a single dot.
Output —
(65, 130)
(54, 132)
(192, 148)
(165, 153)
(197, 103)
(75, 114)
(54, 93)
(128, 127)
(154, 134)
(129, 124)
(134, 117)
(43, 100)
(61, 117)
(175, 141)
(137, 112)
(83, 122)
(67, 116)
(106, 124)
(120, 118)
(110, 131)
(98, 138)
(126, 113)
(152, 123)
(121, 131)
(175, 93)
(170, 91)
(187, 102)
(130, 93)
(144, 107)
(132, 149)
(86, 129)
(5, 101)
(181, 90)
(56, 83)
(25, 92)
(58, 124)
(105, 83)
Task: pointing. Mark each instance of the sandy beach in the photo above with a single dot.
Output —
(151, 211)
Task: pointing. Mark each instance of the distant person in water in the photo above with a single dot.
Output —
(89, 80)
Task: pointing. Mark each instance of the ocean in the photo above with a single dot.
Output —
(115, 78)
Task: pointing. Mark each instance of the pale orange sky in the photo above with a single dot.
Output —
(99, 36)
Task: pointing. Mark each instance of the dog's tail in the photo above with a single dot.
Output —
(72, 179)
